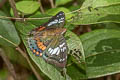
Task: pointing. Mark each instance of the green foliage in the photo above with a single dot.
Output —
(73, 43)
(38, 22)
(98, 51)
(27, 7)
(8, 34)
(3, 74)
(102, 51)
(98, 11)
(62, 2)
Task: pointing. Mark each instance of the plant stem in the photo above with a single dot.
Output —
(52, 3)
(5, 17)
(41, 7)
(2, 3)
(33, 69)
(8, 64)
(13, 6)
(25, 56)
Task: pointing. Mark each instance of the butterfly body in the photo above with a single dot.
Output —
(48, 41)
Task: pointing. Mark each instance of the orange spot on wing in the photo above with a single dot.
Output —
(37, 53)
(37, 38)
(43, 47)
(39, 43)
(34, 51)
(40, 54)
(41, 28)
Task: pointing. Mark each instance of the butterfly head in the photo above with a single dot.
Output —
(56, 21)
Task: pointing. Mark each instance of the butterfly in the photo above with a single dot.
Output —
(48, 42)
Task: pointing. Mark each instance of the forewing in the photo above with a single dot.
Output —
(56, 21)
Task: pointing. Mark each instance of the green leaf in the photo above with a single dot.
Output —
(15, 56)
(54, 11)
(99, 3)
(112, 26)
(102, 52)
(38, 22)
(69, 26)
(78, 69)
(98, 11)
(3, 74)
(8, 34)
(27, 7)
(62, 2)
(74, 42)
(46, 68)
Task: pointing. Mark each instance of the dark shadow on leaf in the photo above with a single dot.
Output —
(107, 52)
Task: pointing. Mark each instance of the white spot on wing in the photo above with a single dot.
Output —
(62, 45)
(60, 14)
(64, 48)
(55, 50)
(51, 51)
(58, 52)
(56, 20)
(57, 15)
(62, 60)
(53, 22)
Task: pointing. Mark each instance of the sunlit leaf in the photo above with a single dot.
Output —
(27, 7)
(98, 11)
(62, 2)
(102, 52)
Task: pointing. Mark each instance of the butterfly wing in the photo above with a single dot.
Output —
(38, 43)
(56, 52)
(56, 21)
(44, 41)
(53, 49)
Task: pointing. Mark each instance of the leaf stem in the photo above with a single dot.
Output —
(8, 41)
